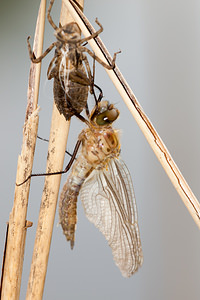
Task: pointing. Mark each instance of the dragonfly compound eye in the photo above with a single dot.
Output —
(107, 117)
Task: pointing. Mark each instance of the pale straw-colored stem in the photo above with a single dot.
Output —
(14, 252)
(56, 152)
(141, 118)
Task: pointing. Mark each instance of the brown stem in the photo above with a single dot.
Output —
(14, 252)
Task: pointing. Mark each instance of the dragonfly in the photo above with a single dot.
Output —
(104, 183)
(106, 191)
(70, 68)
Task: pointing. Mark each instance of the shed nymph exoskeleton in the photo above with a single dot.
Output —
(70, 67)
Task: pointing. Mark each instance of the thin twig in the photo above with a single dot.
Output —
(14, 252)
(141, 118)
(56, 152)
(4, 256)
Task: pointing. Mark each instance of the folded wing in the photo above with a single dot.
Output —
(109, 202)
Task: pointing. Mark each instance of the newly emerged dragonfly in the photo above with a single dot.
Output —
(106, 191)
(70, 67)
(105, 187)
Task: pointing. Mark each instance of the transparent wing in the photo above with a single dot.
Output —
(108, 199)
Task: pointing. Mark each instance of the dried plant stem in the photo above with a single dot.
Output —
(56, 152)
(11, 277)
(142, 120)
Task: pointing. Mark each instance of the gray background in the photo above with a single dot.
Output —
(160, 59)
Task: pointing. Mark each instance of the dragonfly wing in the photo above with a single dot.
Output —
(109, 202)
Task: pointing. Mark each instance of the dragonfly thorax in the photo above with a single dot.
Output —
(100, 145)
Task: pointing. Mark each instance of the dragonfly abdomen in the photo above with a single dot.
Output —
(68, 198)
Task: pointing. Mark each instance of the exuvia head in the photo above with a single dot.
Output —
(69, 33)
(104, 114)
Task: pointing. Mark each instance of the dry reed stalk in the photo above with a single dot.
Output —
(14, 252)
(56, 152)
(141, 118)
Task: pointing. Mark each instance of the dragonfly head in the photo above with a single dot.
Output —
(104, 114)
